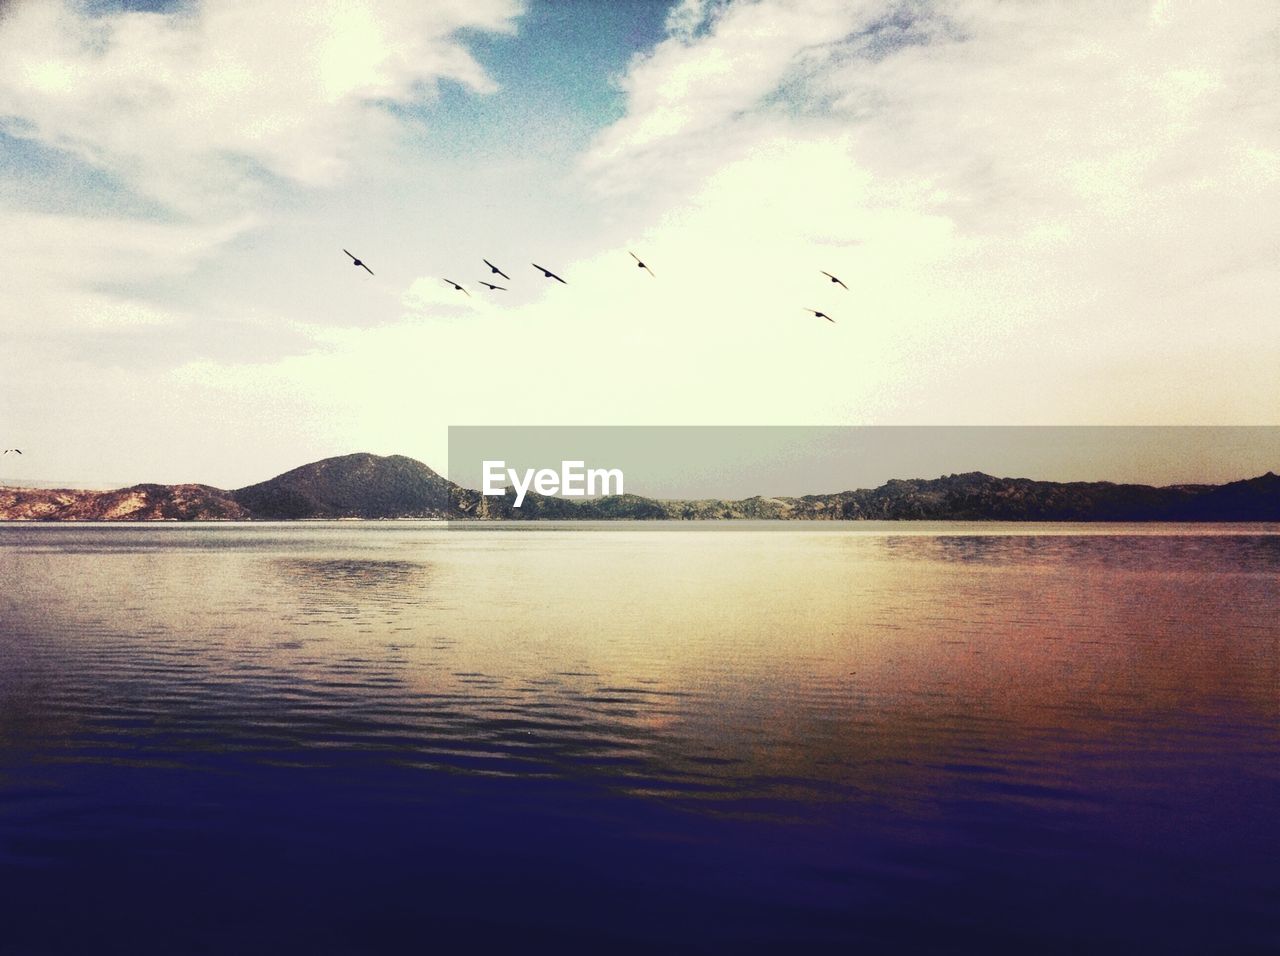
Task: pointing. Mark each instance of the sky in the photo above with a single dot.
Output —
(1046, 213)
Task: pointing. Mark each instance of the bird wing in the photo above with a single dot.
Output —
(366, 268)
(636, 257)
(648, 270)
(348, 253)
(547, 272)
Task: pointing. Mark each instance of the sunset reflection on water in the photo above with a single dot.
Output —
(839, 723)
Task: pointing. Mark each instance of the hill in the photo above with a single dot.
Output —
(372, 486)
(352, 486)
(136, 503)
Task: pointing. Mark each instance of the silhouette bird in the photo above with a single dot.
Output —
(547, 273)
(490, 285)
(835, 280)
(641, 265)
(494, 270)
(821, 315)
(357, 262)
(458, 287)
(16, 450)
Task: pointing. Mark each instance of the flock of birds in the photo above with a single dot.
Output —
(548, 274)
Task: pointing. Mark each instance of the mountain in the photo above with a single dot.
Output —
(137, 503)
(372, 486)
(1255, 499)
(353, 486)
(980, 497)
(973, 496)
(350, 486)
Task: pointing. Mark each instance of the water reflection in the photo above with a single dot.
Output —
(1255, 553)
(349, 588)
(841, 711)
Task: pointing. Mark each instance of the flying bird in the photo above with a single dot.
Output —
(357, 262)
(821, 315)
(548, 273)
(835, 280)
(641, 265)
(458, 287)
(16, 450)
(490, 285)
(495, 270)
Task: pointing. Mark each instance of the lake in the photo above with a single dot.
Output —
(369, 736)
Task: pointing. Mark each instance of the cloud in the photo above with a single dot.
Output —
(719, 63)
(1012, 99)
(197, 106)
(77, 273)
(431, 294)
(213, 113)
(1031, 195)
(1046, 213)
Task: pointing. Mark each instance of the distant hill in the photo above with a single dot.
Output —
(137, 503)
(373, 486)
(1258, 498)
(352, 486)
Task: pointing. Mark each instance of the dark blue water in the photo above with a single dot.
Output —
(381, 737)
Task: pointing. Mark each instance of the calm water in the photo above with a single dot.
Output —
(357, 737)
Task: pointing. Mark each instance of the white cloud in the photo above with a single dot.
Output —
(428, 294)
(203, 110)
(687, 18)
(1046, 213)
(192, 106)
(1028, 195)
(74, 273)
(717, 66)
